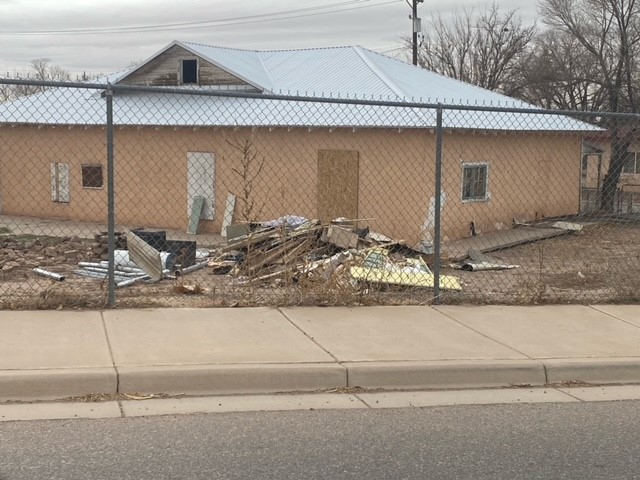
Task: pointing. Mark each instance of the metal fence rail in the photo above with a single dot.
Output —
(137, 196)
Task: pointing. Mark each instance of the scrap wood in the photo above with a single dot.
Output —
(258, 259)
(245, 241)
(380, 238)
(328, 266)
(295, 252)
(340, 237)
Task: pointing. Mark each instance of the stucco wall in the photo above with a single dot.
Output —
(529, 174)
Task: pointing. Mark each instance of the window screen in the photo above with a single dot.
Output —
(92, 176)
(474, 182)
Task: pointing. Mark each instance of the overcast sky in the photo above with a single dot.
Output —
(107, 35)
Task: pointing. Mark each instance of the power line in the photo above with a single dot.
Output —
(258, 18)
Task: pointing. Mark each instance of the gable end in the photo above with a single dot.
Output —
(169, 69)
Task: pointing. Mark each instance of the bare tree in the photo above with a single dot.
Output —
(560, 73)
(43, 70)
(609, 33)
(483, 48)
(247, 169)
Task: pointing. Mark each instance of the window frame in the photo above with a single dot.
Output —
(181, 71)
(82, 176)
(474, 165)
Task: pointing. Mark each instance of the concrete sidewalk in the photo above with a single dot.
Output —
(54, 354)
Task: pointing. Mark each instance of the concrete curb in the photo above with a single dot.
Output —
(594, 370)
(272, 378)
(56, 383)
(453, 374)
(232, 379)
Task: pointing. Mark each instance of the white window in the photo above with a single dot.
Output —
(60, 182)
(475, 182)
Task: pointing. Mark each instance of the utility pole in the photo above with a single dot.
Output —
(417, 27)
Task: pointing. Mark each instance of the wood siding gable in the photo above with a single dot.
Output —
(165, 70)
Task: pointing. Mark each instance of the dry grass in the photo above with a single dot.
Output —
(598, 265)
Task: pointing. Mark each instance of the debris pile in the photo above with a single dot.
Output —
(291, 248)
(142, 261)
(100, 249)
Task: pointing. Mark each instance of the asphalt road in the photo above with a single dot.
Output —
(551, 441)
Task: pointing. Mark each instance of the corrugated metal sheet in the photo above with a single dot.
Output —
(80, 107)
(345, 72)
(353, 72)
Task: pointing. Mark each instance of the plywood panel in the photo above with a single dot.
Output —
(338, 179)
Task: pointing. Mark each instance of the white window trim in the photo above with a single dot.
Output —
(180, 63)
(487, 193)
(60, 183)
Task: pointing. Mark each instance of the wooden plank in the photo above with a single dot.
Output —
(194, 218)
(247, 241)
(229, 210)
(272, 256)
(338, 182)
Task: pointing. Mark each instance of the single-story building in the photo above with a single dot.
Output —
(280, 152)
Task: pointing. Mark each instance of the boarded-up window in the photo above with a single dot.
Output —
(474, 182)
(201, 182)
(91, 176)
(189, 71)
(60, 182)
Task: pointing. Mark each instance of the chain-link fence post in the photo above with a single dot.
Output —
(438, 207)
(110, 200)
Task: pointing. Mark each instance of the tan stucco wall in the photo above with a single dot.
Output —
(530, 174)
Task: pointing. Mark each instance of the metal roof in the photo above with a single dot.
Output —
(351, 71)
(342, 72)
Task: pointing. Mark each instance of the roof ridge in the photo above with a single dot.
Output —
(267, 73)
(378, 73)
(193, 48)
(221, 47)
(335, 47)
(506, 98)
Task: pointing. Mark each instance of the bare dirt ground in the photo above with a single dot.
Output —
(596, 265)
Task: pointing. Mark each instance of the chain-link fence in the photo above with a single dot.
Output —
(136, 196)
